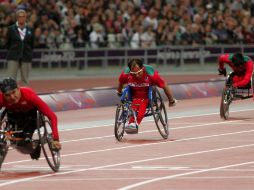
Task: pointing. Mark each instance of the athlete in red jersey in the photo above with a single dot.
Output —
(21, 104)
(241, 65)
(139, 77)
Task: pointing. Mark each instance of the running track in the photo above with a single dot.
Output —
(202, 152)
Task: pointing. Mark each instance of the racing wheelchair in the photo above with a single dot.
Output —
(230, 94)
(155, 108)
(12, 136)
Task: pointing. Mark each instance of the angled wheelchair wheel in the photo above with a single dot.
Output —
(225, 102)
(120, 120)
(45, 137)
(3, 142)
(159, 113)
(3, 152)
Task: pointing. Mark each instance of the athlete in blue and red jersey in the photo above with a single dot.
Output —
(139, 77)
(241, 65)
(21, 104)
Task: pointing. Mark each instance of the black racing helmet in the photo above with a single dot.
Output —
(134, 61)
(238, 59)
(8, 84)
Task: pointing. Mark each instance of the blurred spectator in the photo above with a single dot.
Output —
(135, 40)
(96, 37)
(252, 8)
(74, 19)
(112, 39)
(79, 41)
(209, 37)
(127, 33)
(221, 33)
(151, 20)
(148, 38)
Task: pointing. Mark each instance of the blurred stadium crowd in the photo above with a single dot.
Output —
(133, 23)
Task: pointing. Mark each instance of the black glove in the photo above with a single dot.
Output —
(119, 93)
(172, 102)
(222, 72)
(56, 145)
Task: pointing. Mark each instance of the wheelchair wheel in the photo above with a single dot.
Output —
(120, 120)
(45, 136)
(3, 152)
(3, 143)
(159, 113)
(225, 102)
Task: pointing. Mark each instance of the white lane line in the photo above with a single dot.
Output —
(141, 145)
(170, 169)
(86, 179)
(220, 177)
(158, 143)
(183, 174)
(140, 161)
(150, 131)
(110, 136)
(146, 120)
(200, 123)
(92, 138)
(130, 178)
(133, 168)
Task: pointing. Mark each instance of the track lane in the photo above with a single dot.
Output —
(89, 150)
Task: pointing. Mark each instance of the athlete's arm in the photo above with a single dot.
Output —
(161, 83)
(247, 76)
(121, 81)
(224, 58)
(44, 109)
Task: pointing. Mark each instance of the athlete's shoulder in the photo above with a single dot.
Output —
(228, 56)
(246, 58)
(126, 70)
(27, 90)
(149, 69)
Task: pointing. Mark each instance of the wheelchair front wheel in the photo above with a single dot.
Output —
(120, 120)
(45, 136)
(160, 114)
(225, 102)
(3, 143)
(3, 153)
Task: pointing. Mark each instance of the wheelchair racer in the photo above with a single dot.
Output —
(21, 104)
(139, 77)
(242, 67)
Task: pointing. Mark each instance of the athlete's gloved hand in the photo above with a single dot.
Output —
(119, 93)
(172, 103)
(56, 145)
(222, 72)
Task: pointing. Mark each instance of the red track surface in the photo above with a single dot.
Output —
(202, 152)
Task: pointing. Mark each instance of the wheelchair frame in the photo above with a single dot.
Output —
(156, 108)
(43, 129)
(229, 94)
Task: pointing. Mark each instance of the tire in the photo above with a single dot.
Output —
(3, 152)
(159, 113)
(3, 144)
(120, 121)
(224, 105)
(45, 137)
